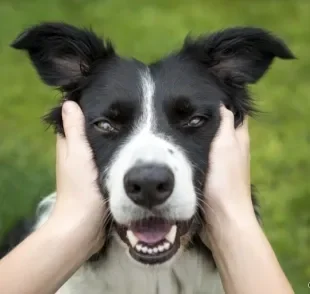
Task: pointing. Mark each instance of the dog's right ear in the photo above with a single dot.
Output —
(63, 56)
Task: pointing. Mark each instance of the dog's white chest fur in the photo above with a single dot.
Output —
(191, 273)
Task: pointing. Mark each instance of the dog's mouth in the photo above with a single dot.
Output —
(153, 240)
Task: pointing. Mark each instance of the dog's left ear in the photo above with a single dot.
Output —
(237, 56)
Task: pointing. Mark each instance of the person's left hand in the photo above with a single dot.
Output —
(228, 188)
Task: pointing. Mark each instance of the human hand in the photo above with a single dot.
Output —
(79, 206)
(243, 255)
(228, 188)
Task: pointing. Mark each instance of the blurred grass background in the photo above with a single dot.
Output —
(147, 30)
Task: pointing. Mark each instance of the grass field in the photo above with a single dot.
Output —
(147, 30)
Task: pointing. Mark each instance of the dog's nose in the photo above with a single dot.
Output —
(149, 185)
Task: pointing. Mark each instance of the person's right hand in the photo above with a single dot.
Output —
(79, 203)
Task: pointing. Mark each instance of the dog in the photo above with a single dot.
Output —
(150, 127)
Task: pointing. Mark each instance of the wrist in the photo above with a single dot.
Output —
(231, 214)
(232, 223)
(76, 234)
(242, 250)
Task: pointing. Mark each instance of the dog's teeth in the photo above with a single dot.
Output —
(132, 238)
(139, 247)
(167, 245)
(172, 234)
(151, 251)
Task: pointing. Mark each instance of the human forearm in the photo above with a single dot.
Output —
(246, 261)
(49, 256)
(45, 260)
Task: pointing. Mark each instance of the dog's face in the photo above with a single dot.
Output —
(150, 126)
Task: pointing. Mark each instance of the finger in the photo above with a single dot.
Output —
(243, 140)
(73, 123)
(61, 155)
(242, 130)
(61, 147)
(242, 136)
(227, 121)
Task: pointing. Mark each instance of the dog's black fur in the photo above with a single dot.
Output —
(207, 71)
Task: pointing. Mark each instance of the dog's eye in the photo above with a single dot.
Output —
(195, 122)
(105, 127)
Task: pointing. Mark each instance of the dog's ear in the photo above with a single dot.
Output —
(63, 56)
(237, 55)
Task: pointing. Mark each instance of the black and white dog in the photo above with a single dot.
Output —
(150, 128)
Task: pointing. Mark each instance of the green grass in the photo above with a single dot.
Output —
(147, 30)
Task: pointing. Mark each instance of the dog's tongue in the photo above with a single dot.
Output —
(151, 232)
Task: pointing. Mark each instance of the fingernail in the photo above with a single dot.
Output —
(68, 107)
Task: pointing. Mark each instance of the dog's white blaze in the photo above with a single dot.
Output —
(147, 145)
(148, 121)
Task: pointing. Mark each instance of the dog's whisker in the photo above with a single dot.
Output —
(150, 128)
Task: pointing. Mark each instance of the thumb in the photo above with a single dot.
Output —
(242, 135)
(73, 122)
(227, 122)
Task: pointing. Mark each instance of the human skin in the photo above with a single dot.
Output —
(48, 257)
(243, 255)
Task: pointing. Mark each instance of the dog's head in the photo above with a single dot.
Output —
(150, 126)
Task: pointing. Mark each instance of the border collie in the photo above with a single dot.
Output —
(150, 127)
